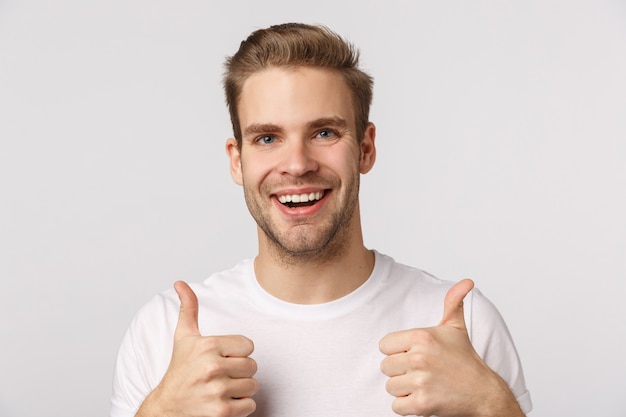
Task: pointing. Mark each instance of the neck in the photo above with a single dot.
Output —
(314, 279)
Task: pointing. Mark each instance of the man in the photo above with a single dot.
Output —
(317, 324)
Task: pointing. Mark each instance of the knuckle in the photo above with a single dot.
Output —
(223, 409)
(255, 386)
(247, 406)
(390, 386)
(399, 408)
(247, 344)
(420, 404)
(217, 389)
(211, 343)
(386, 366)
(383, 367)
(422, 337)
(417, 361)
(214, 369)
(414, 404)
(254, 367)
(382, 345)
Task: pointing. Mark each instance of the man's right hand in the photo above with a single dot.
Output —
(208, 376)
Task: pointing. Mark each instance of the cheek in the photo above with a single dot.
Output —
(345, 164)
(255, 170)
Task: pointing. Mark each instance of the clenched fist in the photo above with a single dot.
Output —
(436, 371)
(208, 376)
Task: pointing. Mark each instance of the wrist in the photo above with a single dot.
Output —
(499, 400)
(150, 406)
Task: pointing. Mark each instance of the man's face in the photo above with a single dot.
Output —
(300, 160)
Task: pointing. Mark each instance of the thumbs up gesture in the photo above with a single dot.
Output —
(436, 371)
(207, 375)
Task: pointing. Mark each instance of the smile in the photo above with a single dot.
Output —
(298, 200)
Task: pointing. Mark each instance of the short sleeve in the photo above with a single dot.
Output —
(493, 342)
(143, 355)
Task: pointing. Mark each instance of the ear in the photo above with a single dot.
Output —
(368, 149)
(234, 154)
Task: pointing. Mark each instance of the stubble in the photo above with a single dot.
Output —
(307, 242)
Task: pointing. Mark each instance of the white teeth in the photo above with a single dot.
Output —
(300, 198)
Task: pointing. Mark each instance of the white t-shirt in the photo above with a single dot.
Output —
(313, 360)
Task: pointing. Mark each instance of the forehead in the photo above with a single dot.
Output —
(292, 96)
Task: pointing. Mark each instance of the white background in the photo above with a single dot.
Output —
(501, 153)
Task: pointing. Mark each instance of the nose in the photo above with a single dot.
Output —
(298, 158)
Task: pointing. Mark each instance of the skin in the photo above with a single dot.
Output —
(207, 375)
(436, 371)
(299, 138)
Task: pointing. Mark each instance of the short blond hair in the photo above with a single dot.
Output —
(295, 45)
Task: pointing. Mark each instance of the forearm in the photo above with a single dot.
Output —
(499, 401)
(150, 408)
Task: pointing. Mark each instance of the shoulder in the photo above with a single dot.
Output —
(422, 294)
(403, 277)
(158, 317)
(411, 296)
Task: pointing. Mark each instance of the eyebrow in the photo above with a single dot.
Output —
(258, 128)
(337, 122)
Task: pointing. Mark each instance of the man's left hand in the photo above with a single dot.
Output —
(436, 371)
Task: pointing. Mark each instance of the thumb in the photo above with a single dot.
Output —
(188, 316)
(453, 304)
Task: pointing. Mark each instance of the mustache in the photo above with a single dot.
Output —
(308, 180)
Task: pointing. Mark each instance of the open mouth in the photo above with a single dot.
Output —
(300, 200)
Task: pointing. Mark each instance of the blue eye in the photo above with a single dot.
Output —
(326, 134)
(266, 140)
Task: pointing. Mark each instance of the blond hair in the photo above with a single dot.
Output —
(294, 45)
